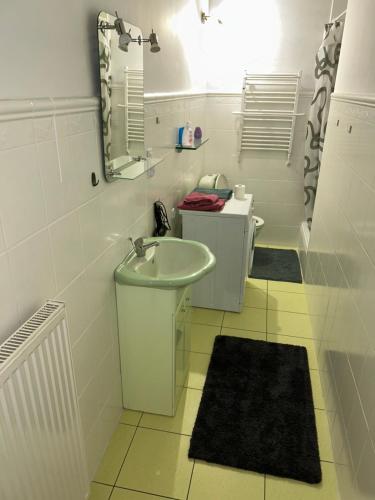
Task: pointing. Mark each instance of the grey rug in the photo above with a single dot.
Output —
(276, 265)
(257, 410)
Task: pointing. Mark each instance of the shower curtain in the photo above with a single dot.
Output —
(326, 60)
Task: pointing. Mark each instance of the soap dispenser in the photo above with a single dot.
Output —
(188, 135)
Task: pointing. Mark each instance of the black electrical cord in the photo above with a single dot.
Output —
(161, 219)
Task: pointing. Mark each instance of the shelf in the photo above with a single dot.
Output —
(180, 148)
(135, 169)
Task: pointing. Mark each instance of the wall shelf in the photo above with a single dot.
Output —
(135, 169)
(196, 146)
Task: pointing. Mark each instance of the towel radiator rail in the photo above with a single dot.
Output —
(261, 92)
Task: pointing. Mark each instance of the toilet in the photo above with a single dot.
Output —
(219, 181)
(259, 223)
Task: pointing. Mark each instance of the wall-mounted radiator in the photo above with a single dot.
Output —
(41, 447)
(269, 111)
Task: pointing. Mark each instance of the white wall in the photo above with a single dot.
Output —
(50, 48)
(267, 36)
(341, 281)
(60, 237)
(277, 189)
(338, 6)
(341, 262)
(356, 73)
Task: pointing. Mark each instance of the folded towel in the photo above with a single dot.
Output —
(224, 194)
(200, 199)
(213, 207)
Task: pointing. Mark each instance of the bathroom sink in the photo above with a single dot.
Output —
(174, 263)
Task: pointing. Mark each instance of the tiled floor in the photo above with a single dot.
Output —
(147, 457)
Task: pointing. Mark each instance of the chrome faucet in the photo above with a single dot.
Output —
(140, 247)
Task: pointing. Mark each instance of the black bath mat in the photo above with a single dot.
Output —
(276, 265)
(257, 410)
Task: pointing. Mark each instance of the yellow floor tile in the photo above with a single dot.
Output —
(288, 323)
(130, 417)
(249, 318)
(256, 284)
(157, 463)
(183, 421)
(245, 334)
(282, 247)
(121, 494)
(223, 483)
(198, 370)
(308, 343)
(284, 286)
(287, 489)
(203, 337)
(206, 316)
(115, 454)
(255, 298)
(286, 301)
(99, 491)
(317, 390)
(324, 437)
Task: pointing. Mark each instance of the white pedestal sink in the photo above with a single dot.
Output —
(153, 303)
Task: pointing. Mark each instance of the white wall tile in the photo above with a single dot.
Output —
(8, 303)
(44, 129)
(32, 273)
(14, 134)
(92, 230)
(342, 238)
(65, 238)
(264, 173)
(67, 251)
(365, 476)
(48, 163)
(2, 241)
(95, 343)
(21, 196)
(75, 298)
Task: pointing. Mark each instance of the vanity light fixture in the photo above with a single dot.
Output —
(125, 37)
(205, 17)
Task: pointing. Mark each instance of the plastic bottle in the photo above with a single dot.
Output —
(188, 135)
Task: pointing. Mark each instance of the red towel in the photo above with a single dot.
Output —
(200, 199)
(213, 207)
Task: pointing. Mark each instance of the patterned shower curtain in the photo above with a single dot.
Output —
(326, 60)
(106, 88)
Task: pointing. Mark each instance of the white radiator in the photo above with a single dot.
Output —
(41, 447)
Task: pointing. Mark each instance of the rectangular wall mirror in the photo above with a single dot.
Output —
(122, 95)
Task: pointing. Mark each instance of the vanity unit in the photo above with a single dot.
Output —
(154, 328)
(153, 291)
(230, 236)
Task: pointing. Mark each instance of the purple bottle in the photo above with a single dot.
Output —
(197, 136)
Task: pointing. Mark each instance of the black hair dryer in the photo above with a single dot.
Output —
(161, 219)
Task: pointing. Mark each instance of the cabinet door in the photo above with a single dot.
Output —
(182, 343)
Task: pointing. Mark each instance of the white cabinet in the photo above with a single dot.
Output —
(229, 234)
(154, 331)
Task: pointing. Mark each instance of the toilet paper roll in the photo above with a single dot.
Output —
(239, 191)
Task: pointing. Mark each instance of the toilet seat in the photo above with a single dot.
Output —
(213, 181)
(259, 222)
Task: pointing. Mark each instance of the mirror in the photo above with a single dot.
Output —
(121, 82)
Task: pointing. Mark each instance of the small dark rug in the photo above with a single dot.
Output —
(276, 265)
(257, 410)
